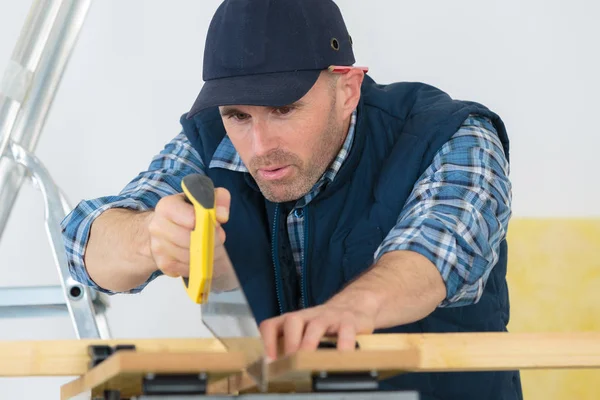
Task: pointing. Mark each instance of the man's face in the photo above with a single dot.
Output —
(287, 149)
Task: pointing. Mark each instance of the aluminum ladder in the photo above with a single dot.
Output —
(26, 94)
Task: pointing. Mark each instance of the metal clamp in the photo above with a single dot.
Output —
(112, 395)
(344, 382)
(174, 384)
(100, 352)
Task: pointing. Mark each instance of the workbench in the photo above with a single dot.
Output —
(131, 367)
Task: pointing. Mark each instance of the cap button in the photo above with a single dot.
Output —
(335, 44)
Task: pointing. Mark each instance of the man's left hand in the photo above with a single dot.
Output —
(304, 329)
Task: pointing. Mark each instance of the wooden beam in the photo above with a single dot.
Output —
(439, 352)
(294, 372)
(124, 370)
(450, 352)
(70, 357)
(446, 352)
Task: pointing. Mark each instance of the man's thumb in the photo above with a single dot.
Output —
(222, 203)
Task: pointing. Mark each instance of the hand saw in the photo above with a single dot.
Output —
(213, 283)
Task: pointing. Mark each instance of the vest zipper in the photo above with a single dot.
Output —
(303, 277)
(275, 258)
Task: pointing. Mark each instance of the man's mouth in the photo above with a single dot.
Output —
(274, 173)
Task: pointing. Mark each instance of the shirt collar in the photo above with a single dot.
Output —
(227, 157)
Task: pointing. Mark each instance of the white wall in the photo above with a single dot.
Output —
(137, 68)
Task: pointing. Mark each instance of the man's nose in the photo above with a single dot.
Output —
(264, 139)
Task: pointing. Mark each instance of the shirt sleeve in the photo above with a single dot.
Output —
(458, 211)
(163, 177)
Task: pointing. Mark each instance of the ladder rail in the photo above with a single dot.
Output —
(30, 83)
(78, 297)
(27, 91)
(17, 80)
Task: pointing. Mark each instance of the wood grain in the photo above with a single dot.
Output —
(69, 357)
(124, 370)
(495, 351)
(294, 372)
(438, 352)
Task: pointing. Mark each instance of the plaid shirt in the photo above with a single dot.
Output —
(456, 216)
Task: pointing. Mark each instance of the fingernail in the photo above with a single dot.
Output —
(222, 213)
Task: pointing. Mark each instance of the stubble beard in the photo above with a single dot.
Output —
(305, 176)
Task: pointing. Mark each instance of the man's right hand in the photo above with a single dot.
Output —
(170, 226)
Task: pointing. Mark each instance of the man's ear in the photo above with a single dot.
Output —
(350, 84)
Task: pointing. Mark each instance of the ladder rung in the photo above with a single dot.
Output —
(31, 301)
(41, 296)
(33, 311)
(32, 296)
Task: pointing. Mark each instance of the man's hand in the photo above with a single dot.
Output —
(403, 287)
(304, 329)
(170, 226)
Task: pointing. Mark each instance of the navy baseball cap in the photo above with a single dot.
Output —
(270, 52)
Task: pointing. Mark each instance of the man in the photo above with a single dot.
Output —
(346, 207)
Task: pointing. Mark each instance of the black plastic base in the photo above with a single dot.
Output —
(112, 395)
(174, 384)
(99, 353)
(346, 381)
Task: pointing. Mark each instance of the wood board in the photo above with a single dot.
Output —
(124, 370)
(449, 352)
(294, 372)
(495, 351)
(436, 353)
(439, 351)
(70, 357)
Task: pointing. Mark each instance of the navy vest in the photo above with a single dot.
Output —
(399, 129)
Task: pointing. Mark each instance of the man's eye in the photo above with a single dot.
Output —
(240, 116)
(283, 110)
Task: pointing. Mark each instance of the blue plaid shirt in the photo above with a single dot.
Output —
(456, 215)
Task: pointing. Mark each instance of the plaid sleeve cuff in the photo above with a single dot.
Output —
(162, 178)
(76, 230)
(431, 237)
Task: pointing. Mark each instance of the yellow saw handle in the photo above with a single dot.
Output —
(200, 192)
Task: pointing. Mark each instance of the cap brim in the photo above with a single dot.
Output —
(269, 90)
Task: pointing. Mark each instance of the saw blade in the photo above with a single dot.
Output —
(213, 284)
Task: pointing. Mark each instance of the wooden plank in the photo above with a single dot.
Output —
(439, 353)
(124, 370)
(294, 372)
(344, 361)
(70, 358)
(495, 351)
